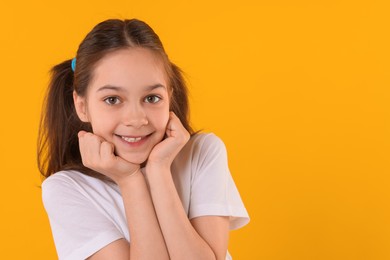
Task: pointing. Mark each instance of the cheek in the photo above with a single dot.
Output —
(161, 121)
(101, 122)
(164, 120)
(97, 128)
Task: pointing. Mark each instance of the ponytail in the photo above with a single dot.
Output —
(57, 140)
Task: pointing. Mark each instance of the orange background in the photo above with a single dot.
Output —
(299, 92)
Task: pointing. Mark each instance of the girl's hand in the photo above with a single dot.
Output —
(176, 137)
(98, 154)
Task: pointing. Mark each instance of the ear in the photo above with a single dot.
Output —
(81, 107)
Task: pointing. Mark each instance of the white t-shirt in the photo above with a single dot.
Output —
(86, 214)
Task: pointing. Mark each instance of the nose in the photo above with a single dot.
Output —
(135, 116)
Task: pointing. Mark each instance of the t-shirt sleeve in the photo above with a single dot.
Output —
(79, 229)
(213, 191)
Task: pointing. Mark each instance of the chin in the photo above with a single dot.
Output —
(135, 159)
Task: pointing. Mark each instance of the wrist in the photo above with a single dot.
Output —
(123, 181)
(157, 166)
(157, 169)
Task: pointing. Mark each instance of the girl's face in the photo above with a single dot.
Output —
(127, 102)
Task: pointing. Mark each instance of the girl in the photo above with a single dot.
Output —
(126, 176)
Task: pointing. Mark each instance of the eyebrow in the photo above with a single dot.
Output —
(121, 89)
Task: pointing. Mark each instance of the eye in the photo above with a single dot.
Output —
(112, 100)
(152, 99)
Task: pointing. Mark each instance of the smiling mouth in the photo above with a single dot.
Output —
(133, 139)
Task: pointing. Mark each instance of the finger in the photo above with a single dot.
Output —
(81, 133)
(106, 151)
(173, 116)
(173, 120)
(90, 149)
(169, 130)
(174, 126)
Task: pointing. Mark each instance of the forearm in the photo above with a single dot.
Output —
(147, 241)
(181, 238)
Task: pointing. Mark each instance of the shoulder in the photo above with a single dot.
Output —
(205, 137)
(202, 150)
(206, 142)
(70, 198)
(69, 186)
(71, 178)
(61, 176)
(64, 180)
(60, 186)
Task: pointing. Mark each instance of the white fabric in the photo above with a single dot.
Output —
(87, 214)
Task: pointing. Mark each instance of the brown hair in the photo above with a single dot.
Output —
(58, 147)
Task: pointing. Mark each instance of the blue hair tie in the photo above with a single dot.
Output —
(74, 64)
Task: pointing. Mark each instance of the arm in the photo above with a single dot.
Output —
(146, 238)
(201, 238)
(147, 241)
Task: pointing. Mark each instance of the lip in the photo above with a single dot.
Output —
(133, 140)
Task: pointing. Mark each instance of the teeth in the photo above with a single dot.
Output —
(131, 139)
